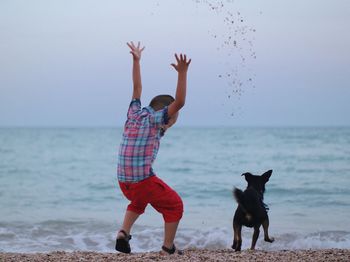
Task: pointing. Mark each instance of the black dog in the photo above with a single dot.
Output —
(251, 210)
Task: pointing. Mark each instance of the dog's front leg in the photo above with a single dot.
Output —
(265, 225)
(255, 236)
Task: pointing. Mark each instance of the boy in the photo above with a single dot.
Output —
(142, 132)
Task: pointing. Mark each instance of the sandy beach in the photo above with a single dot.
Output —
(189, 255)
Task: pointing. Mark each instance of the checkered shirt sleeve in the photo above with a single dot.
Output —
(134, 108)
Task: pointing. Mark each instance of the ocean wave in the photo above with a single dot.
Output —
(96, 236)
(307, 191)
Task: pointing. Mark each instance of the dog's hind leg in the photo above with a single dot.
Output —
(234, 244)
(255, 236)
(237, 238)
(265, 225)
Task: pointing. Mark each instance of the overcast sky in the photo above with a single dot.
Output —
(66, 63)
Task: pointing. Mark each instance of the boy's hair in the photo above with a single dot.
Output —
(161, 101)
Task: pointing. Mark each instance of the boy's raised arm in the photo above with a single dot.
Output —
(136, 70)
(181, 67)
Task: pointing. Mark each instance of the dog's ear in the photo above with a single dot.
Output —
(248, 176)
(266, 175)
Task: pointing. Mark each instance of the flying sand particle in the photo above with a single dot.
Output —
(238, 56)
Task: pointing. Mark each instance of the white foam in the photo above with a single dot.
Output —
(320, 240)
(101, 238)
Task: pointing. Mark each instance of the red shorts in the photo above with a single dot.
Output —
(153, 191)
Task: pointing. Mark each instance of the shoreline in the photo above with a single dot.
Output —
(189, 255)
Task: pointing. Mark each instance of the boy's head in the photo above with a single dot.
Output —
(161, 101)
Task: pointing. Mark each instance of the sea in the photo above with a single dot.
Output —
(59, 190)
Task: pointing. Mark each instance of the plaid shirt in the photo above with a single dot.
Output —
(140, 142)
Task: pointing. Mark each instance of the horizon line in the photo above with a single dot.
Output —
(179, 126)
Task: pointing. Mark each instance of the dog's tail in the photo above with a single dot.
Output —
(238, 195)
(241, 200)
(249, 202)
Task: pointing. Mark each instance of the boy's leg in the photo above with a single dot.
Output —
(169, 234)
(123, 236)
(134, 193)
(129, 219)
(167, 202)
(136, 207)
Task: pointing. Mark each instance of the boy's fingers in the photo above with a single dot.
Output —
(189, 61)
(181, 57)
(173, 65)
(185, 58)
(129, 45)
(143, 48)
(138, 45)
(132, 43)
(177, 58)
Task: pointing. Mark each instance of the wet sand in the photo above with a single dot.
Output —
(189, 255)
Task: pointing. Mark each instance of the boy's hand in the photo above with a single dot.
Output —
(182, 63)
(135, 50)
(180, 97)
(136, 70)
